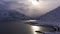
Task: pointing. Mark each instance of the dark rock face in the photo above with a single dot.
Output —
(10, 15)
(52, 16)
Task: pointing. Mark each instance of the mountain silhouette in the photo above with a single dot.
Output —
(53, 15)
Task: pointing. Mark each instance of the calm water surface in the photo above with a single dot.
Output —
(19, 28)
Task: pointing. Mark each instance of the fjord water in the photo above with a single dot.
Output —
(14, 28)
(18, 27)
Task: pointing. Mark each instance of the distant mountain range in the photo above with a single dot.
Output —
(6, 15)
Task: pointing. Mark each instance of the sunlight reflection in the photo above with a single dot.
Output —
(30, 20)
(35, 28)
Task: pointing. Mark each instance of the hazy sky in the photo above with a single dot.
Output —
(31, 8)
(28, 8)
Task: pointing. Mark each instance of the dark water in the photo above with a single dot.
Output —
(15, 27)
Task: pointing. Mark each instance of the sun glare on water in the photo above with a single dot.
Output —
(35, 28)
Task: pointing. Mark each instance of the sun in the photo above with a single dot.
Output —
(35, 2)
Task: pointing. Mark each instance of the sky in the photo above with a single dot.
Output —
(31, 8)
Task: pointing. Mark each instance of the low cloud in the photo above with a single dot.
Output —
(27, 8)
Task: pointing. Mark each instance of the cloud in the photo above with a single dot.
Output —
(27, 8)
